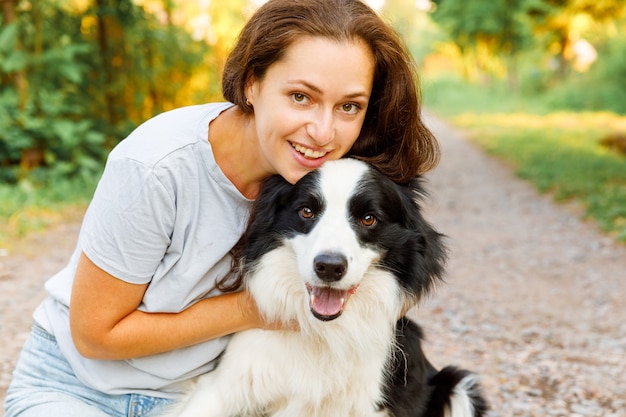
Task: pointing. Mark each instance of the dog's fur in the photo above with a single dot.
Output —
(343, 253)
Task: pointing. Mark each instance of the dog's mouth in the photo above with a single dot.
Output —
(327, 303)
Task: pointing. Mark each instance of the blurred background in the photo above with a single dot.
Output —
(539, 83)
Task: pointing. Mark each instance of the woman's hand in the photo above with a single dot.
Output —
(249, 309)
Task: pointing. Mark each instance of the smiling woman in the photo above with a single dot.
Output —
(308, 81)
(392, 137)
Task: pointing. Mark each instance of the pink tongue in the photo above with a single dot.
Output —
(327, 301)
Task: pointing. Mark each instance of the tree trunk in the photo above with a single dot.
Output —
(18, 78)
(31, 157)
(105, 55)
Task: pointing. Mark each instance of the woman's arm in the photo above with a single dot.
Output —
(106, 324)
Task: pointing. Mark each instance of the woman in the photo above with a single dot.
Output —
(308, 81)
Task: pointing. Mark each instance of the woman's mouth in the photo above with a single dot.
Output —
(308, 152)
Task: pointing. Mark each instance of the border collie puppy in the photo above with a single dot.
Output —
(344, 253)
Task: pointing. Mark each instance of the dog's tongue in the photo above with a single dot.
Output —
(327, 302)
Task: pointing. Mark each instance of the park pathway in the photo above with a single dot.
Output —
(534, 298)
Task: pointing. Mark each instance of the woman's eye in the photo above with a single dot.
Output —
(368, 220)
(299, 98)
(350, 108)
(306, 213)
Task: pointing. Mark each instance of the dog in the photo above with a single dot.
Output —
(344, 253)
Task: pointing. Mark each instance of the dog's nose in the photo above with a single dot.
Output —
(330, 267)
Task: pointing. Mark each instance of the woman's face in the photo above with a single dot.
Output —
(310, 106)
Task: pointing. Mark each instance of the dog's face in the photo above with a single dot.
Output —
(341, 222)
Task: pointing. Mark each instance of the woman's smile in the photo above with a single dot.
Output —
(308, 152)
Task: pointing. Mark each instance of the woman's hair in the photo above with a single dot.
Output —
(393, 138)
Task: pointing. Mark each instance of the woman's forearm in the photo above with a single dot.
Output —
(106, 323)
(141, 334)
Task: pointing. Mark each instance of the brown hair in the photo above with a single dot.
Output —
(393, 138)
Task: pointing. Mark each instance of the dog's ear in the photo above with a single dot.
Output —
(272, 197)
(424, 240)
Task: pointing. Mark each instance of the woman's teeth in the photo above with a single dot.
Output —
(308, 153)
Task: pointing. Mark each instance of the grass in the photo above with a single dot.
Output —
(25, 208)
(449, 96)
(558, 152)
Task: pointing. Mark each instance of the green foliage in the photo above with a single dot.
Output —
(602, 88)
(11, 59)
(558, 152)
(73, 84)
(509, 31)
(449, 95)
(501, 24)
(43, 113)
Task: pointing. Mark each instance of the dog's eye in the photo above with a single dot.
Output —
(306, 213)
(368, 220)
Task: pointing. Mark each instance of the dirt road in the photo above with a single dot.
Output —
(534, 299)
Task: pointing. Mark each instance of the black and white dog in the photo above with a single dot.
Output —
(344, 252)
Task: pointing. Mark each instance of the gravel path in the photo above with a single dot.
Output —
(533, 300)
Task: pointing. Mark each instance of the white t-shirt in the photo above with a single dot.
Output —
(164, 214)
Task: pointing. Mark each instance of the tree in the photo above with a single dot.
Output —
(415, 26)
(556, 20)
(16, 77)
(500, 28)
(76, 80)
(38, 122)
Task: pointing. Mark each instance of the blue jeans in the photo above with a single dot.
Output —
(44, 385)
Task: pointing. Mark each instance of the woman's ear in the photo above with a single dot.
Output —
(251, 89)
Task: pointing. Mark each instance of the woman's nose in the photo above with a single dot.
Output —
(321, 127)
